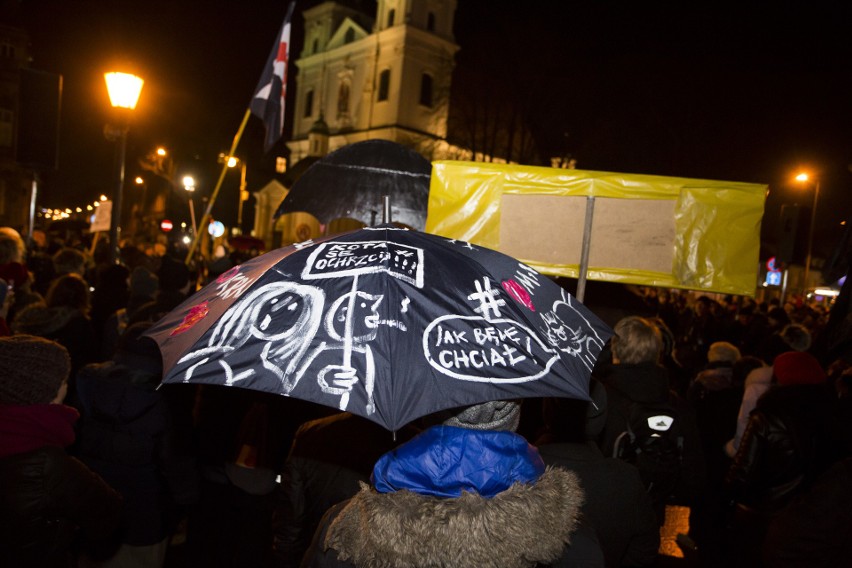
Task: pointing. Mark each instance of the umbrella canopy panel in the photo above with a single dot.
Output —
(351, 182)
(386, 323)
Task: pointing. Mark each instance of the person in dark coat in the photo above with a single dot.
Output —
(788, 437)
(175, 285)
(328, 460)
(242, 438)
(50, 503)
(129, 435)
(466, 493)
(788, 442)
(64, 318)
(636, 377)
(616, 505)
(111, 293)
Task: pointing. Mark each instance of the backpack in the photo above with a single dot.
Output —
(653, 442)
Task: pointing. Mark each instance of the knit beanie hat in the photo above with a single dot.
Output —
(798, 368)
(143, 283)
(31, 369)
(493, 415)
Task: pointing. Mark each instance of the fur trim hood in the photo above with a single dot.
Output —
(520, 527)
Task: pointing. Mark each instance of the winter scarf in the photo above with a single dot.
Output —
(25, 429)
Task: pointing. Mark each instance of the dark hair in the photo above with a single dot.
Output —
(69, 290)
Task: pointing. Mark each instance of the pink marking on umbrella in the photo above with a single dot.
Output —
(519, 293)
(195, 315)
(228, 274)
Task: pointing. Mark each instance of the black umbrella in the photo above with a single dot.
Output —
(351, 183)
(387, 323)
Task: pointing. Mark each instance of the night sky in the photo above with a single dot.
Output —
(711, 90)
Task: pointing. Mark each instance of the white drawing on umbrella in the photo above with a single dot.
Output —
(353, 320)
(581, 341)
(486, 348)
(281, 317)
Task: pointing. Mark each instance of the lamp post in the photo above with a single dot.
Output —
(189, 186)
(124, 90)
(804, 177)
(232, 162)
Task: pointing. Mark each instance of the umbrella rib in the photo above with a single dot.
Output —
(374, 169)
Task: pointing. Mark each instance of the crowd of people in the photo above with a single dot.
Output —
(101, 465)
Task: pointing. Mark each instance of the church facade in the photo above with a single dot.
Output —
(374, 76)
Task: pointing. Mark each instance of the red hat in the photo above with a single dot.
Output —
(14, 273)
(798, 368)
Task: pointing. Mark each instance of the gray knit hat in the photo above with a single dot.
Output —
(31, 369)
(494, 415)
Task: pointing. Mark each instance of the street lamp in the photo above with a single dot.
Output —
(189, 186)
(123, 90)
(232, 162)
(804, 177)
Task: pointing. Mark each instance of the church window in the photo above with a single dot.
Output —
(384, 85)
(391, 17)
(350, 36)
(343, 98)
(309, 103)
(315, 46)
(426, 90)
(430, 22)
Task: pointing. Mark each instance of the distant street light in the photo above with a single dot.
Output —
(189, 186)
(124, 90)
(803, 177)
(232, 162)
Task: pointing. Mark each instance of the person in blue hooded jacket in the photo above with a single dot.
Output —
(469, 492)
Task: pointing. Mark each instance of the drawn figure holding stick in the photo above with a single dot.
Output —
(353, 320)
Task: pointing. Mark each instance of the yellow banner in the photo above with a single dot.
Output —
(648, 230)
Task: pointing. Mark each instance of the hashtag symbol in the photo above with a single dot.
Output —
(487, 298)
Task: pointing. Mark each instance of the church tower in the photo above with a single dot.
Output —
(381, 76)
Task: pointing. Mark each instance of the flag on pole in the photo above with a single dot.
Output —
(268, 101)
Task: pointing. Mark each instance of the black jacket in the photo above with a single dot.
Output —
(128, 434)
(616, 505)
(46, 497)
(649, 383)
(787, 443)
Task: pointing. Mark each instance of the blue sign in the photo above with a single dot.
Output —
(773, 278)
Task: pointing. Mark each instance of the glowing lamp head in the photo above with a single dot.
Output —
(123, 89)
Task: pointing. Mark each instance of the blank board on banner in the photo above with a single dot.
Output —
(649, 230)
(544, 227)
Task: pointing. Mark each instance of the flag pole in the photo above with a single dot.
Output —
(206, 218)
